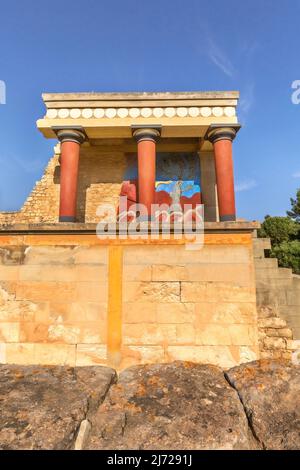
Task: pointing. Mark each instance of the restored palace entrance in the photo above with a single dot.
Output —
(70, 297)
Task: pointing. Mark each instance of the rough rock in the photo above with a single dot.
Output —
(42, 407)
(171, 406)
(270, 393)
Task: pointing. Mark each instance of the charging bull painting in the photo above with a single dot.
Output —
(177, 179)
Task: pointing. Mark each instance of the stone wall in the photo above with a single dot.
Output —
(278, 304)
(74, 299)
(277, 288)
(100, 179)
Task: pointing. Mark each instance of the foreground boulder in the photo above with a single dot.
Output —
(171, 406)
(270, 393)
(42, 407)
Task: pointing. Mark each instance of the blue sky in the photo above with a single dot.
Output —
(162, 45)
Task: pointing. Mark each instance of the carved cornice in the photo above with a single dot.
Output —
(141, 112)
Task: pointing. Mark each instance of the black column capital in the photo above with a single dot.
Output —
(70, 134)
(222, 132)
(141, 133)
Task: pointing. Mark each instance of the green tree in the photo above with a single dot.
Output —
(284, 233)
(288, 255)
(279, 229)
(295, 203)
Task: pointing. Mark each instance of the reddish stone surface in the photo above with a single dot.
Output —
(69, 178)
(224, 176)
(146, 173)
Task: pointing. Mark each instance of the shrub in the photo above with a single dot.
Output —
(279, 229)
(288, 255)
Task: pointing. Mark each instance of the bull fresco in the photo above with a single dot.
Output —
(177, 179)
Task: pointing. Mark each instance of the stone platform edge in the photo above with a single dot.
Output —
(90, 228)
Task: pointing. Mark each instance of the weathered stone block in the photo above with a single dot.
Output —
(45, 291)
(225, 313)
(140, 312)
(34, 353)
(215, 292)
(243, 335)
(93, 332)
(144, 354)
(49, 255)
(12, 255)
(145, 334)
(88, 312)
(9, 332)
(9, 273)
(61, 333)
(185, 333)
(274, 343)
(91, 292)
(213, 335)
(281, 332)
(94, 273)
(169, 273)
(151, 292)
(218, 355)
(91, 255)
(91, 354)
(175, 312)
(241, 274)
(135, 272)
(272, 322)
(46, 272)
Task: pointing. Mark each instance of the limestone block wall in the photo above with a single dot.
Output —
(277, 288)
(100, 179)
(73, 299)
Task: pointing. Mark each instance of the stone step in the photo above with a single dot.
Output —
(272, 297)
(258, 253)
(290, 310)
(273, 282)
(274, 273)
(293, 297)
(266, 263)
(296, 282)
(263, 243)
(286, 272)
(259, 247)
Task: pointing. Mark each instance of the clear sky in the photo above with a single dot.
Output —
(161, 45)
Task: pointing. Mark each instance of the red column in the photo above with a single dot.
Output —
(69, 163)
(221, 139)
(146, 139)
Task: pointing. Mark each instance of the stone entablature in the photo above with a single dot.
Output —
(112, 114)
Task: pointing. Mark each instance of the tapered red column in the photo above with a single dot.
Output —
(146, 139)
(69, 162)
(221, 138)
